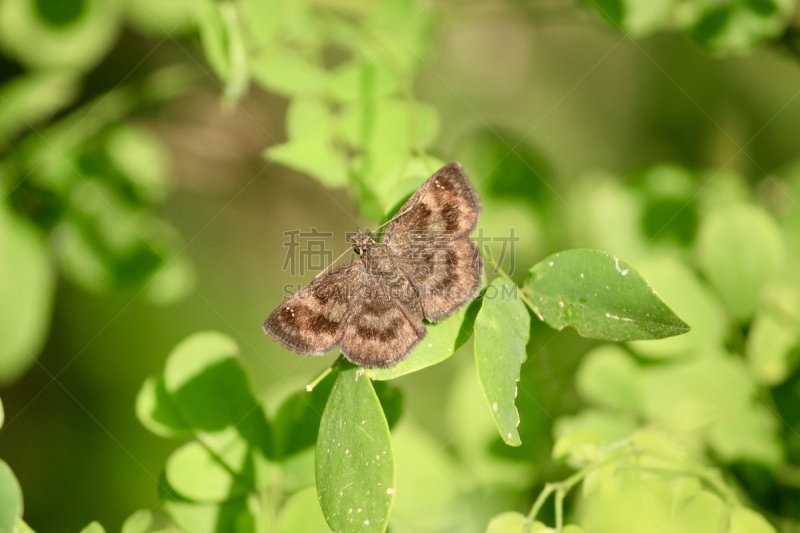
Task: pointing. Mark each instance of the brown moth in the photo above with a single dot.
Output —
(426, 266)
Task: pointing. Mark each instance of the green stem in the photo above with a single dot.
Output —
(548, 489)
(324, 374)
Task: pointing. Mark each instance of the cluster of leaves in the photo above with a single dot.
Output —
(347, 69)
(731, 27)
(725, 391)
(78, 187)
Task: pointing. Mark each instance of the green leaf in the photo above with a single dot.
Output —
(692, 300)
(743, 520)
(601, 296)
(362, 79)
(355, 463)
(59, 35)
(163, 19)
(138, 522)
(609, 377)
(402, 32)
(156, 411)
(142, 161)
(10, 499)
(311, 147)
(32, 98)
(210, 390)
(431, 484)
(771, 342)
(27, 290)
(633, 500)
(693, 393)
(320, 161)
(579, 437)
(288, 73)
(441, 342)
(723, 235)
(22, 527)
(296, 424)
(749, 434)
(214, 38)
(389, 124)
(301, 512)
(509, 522)
(502, 328)
(636, 18)
(237, 515)
(739, 25)
(94, 527)
(216, 468)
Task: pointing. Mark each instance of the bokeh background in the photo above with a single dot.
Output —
(549, 95)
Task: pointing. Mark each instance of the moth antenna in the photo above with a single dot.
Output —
(331, 265)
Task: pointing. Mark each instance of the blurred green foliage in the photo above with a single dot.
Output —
(695, 432)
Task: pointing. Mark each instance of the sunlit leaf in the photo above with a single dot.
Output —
(723, 235)
(59, 34)
(441, 342)
(10, 498)
(94, 527)
(301, 512)
(138, 522)
(609, 377)
(162, 19)
(509, 522)
(745, 520)
(362, 79)
(210, 390)
(31, 98)
(501, 333)
(26, 288)
(287, 72)
(771, 342)
(431, 486)
(692, 300)
(296, 424)
(155, 409)
(142, 161)
(355, 462)
(601, 296)
(213, 469)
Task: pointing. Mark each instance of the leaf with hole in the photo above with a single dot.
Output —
(601, 296)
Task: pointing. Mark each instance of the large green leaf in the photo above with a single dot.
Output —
(601, 296)
(355, 462)
(26, 293)
(502, 328)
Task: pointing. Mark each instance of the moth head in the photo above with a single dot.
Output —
(362, 240)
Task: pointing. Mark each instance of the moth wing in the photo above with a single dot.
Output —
(429, 238)
(380, 330)
(445, 207)
(312, 321)
(446, 274)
